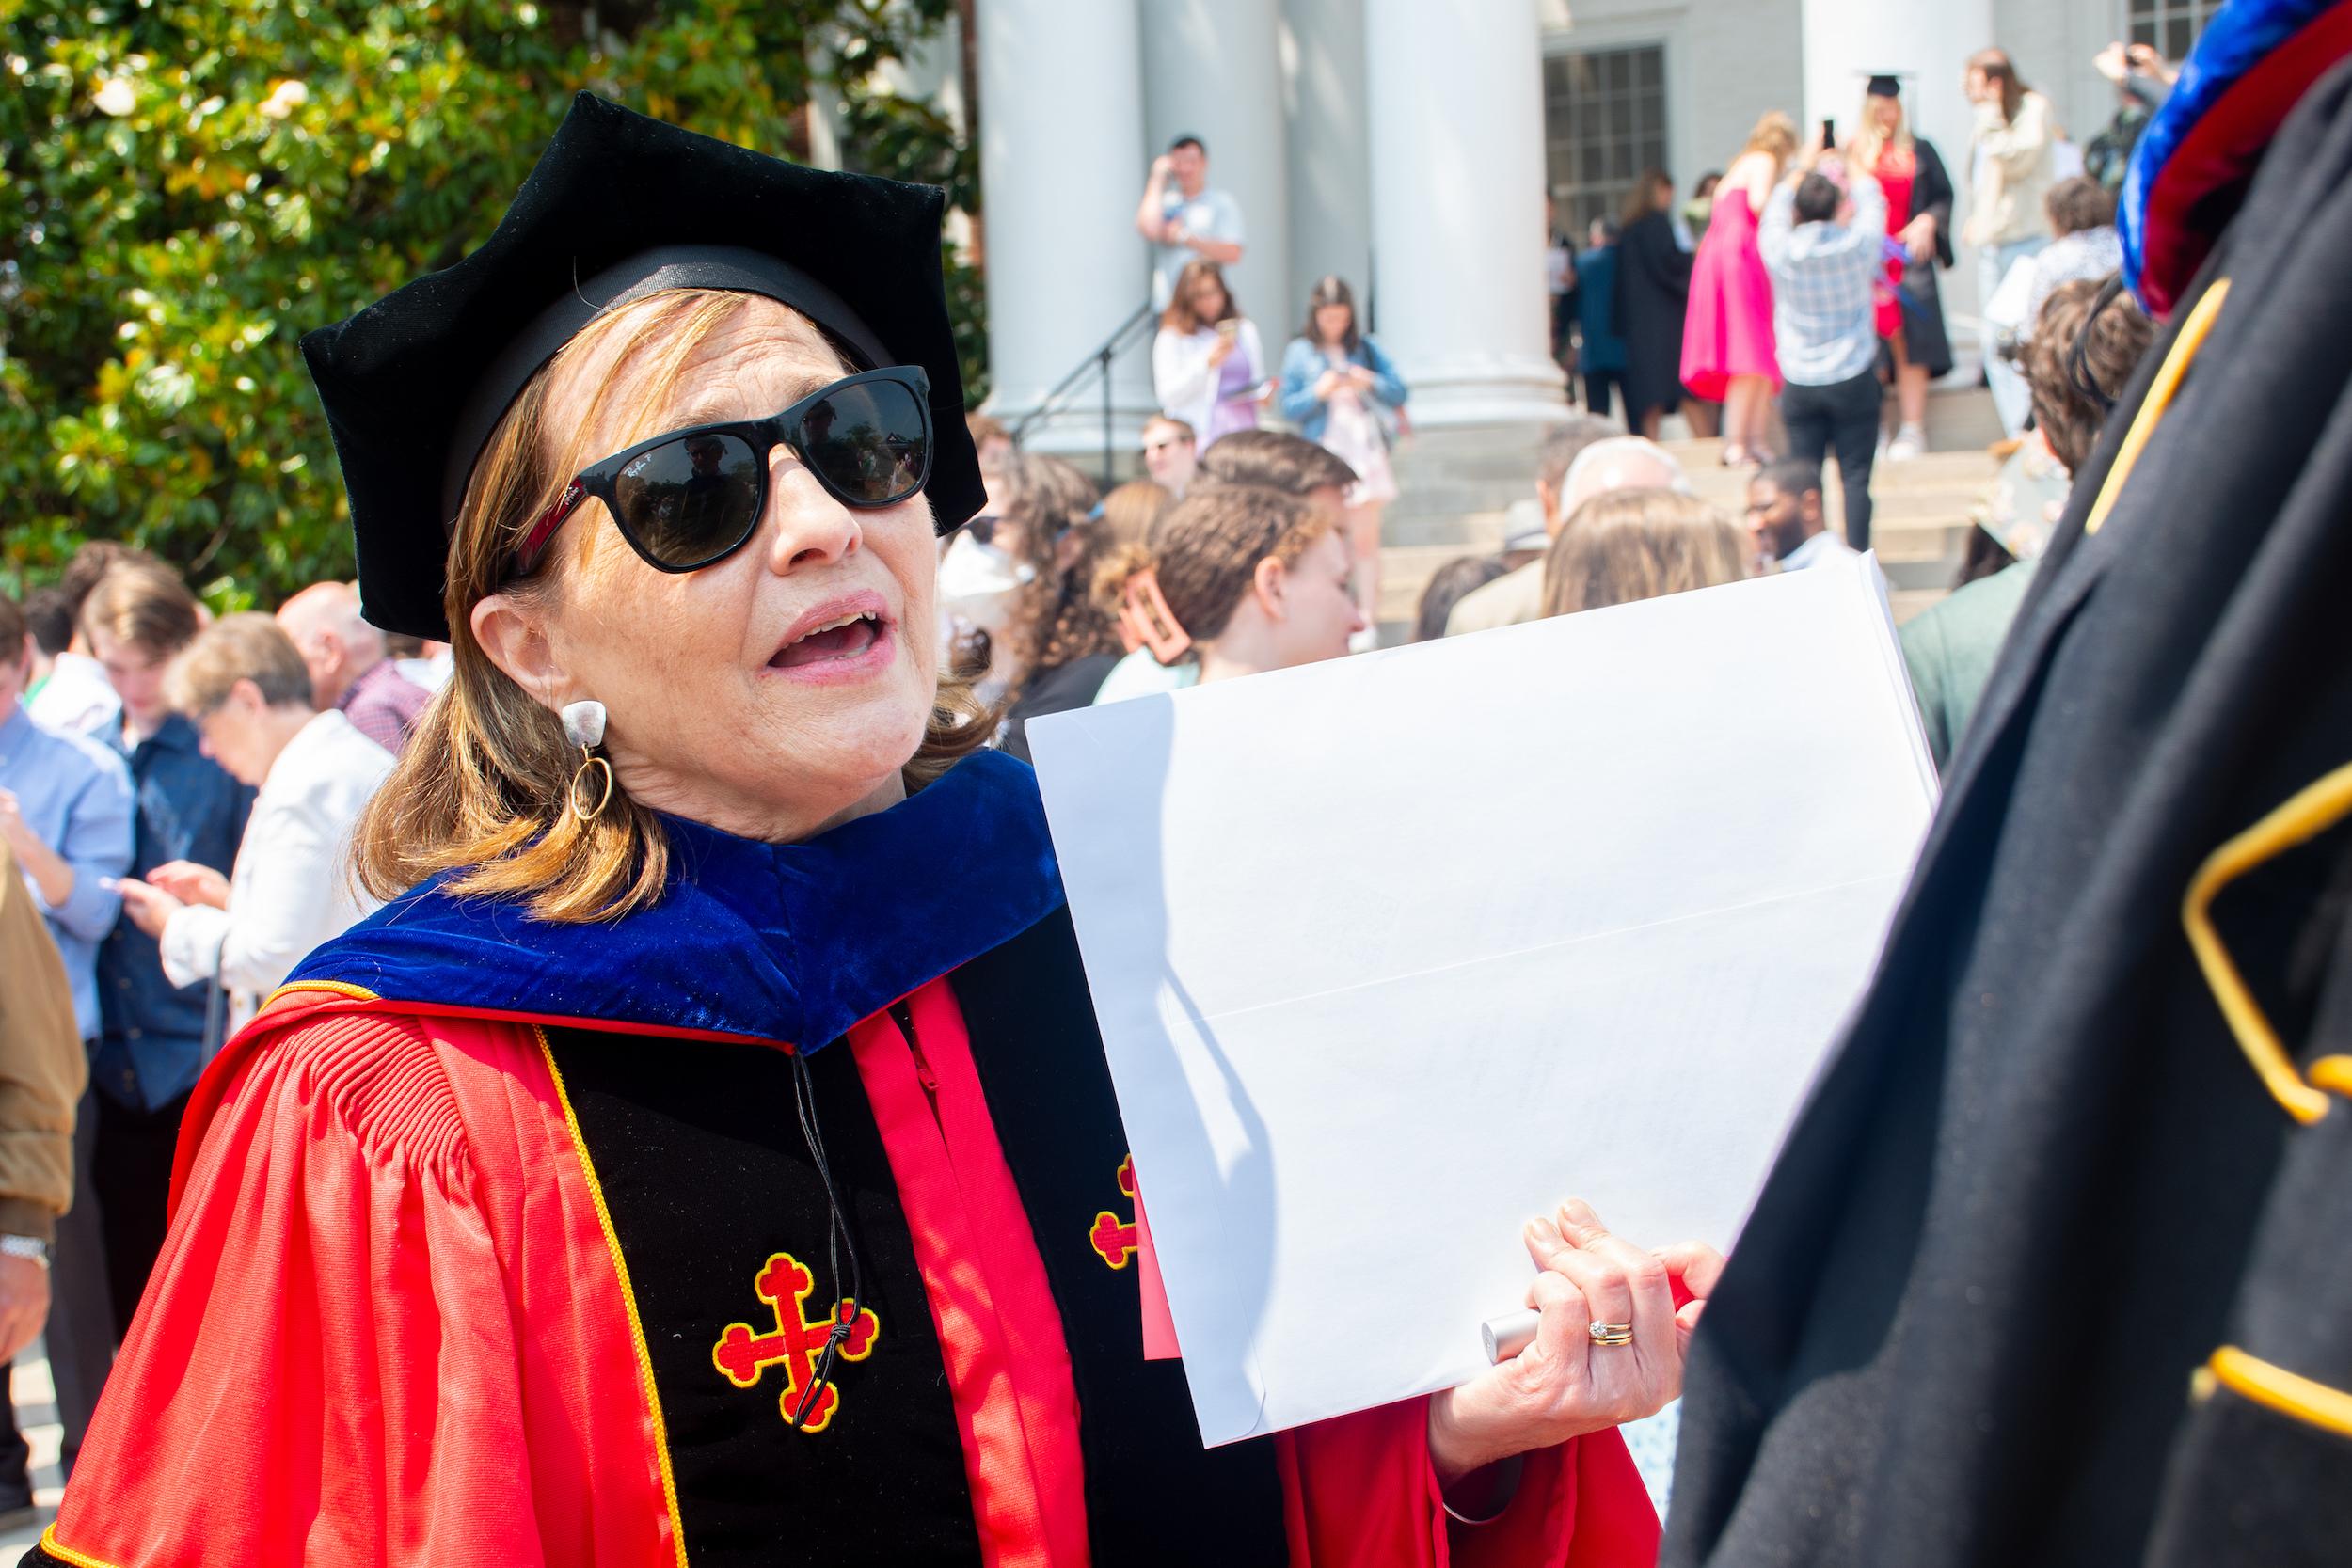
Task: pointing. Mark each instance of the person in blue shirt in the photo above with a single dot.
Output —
(65, 816)
(1343, 393)
(1602, 358)
(190, 815)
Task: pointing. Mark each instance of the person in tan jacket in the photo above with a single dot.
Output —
(42, 1070)
(2012, 160)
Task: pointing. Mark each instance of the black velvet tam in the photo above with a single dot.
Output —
(617, 205)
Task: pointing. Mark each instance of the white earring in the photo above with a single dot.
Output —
(584, 724)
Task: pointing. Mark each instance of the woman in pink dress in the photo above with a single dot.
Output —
(1727, 350)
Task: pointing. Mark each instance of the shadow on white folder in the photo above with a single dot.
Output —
(1392, 953)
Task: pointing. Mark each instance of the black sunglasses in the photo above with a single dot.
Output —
(690, 499)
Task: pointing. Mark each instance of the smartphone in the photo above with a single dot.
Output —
(1230, 328)
(1829, 135)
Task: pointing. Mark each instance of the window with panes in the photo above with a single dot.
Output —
(2170, 26)
(1604, 123)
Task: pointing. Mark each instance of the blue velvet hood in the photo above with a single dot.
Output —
(785, 944)
(2178, 195)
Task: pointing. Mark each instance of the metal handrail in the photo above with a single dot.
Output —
(1066, 389)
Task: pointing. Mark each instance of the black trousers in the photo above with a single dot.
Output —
(1597, 386)
(1841, 418)
(132, 1176)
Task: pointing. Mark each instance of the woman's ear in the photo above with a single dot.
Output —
(515, 641)
(1271, 584)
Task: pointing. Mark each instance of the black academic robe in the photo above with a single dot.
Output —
(1925, 338)
(1653, 296)
(2047, 1274)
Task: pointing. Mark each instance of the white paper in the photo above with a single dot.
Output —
(1392, 953)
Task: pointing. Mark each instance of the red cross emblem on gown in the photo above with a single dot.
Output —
(796, 1342)
(1114, 1241)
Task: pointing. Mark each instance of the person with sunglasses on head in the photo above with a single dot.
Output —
(701, 1155)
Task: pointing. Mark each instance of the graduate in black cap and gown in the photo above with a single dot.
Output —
(708, 1154)
(1919, 220)
(2054, 1270)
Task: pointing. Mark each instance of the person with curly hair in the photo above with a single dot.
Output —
(1950, 648)
(1066, 641)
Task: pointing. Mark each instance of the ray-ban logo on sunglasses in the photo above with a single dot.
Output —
(637, 468)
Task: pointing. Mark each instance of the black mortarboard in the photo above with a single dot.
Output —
(1883, 84)
(618, 205)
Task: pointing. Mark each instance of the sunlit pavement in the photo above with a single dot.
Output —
(37, 1418)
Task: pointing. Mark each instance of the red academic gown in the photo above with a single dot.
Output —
(452, 1283)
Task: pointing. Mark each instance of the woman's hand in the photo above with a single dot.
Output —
(1918, 236)
(191, 883)
(1563, 1385)
(1223, 351)
(150, 908)
(1328, 384)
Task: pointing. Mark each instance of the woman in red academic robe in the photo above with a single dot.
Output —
(708, 1157)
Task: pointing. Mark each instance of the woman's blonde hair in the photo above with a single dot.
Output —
(246, 647)
(483, 788)
(1775, 135)
(1869, 143)
(1625, 546)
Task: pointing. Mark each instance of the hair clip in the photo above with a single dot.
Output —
(1143, 610)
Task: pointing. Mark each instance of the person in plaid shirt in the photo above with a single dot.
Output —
(1824, 240)
(349, 667)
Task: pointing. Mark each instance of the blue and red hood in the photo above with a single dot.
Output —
(2255, 60)
(784, 945)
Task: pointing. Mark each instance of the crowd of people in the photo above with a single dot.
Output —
(178, 792)
(1805, 273)
(1211, 374)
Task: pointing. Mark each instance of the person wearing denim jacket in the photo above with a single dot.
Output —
(1343, 394)
(1303, 365)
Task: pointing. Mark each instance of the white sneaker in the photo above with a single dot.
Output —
(1909, 442)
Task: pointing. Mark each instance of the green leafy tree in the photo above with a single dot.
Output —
(188, 186)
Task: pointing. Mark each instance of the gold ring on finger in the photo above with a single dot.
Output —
(1610, 1334)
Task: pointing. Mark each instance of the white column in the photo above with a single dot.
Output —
(1454, 113)
(1061, 169)
(1931, 45)
(1212, 68)
(1323, 82)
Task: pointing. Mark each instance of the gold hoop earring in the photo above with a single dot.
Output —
(588, 760)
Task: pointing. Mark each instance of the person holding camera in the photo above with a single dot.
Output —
(1822, 239)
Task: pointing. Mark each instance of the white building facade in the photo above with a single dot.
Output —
(1406, 145)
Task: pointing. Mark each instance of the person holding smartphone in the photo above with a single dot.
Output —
(1208, 368)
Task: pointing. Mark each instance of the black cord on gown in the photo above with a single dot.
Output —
(837, 1239)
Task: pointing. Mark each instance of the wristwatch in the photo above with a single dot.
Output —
(25, 1246)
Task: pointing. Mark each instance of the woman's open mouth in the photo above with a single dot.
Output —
(841, 641)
